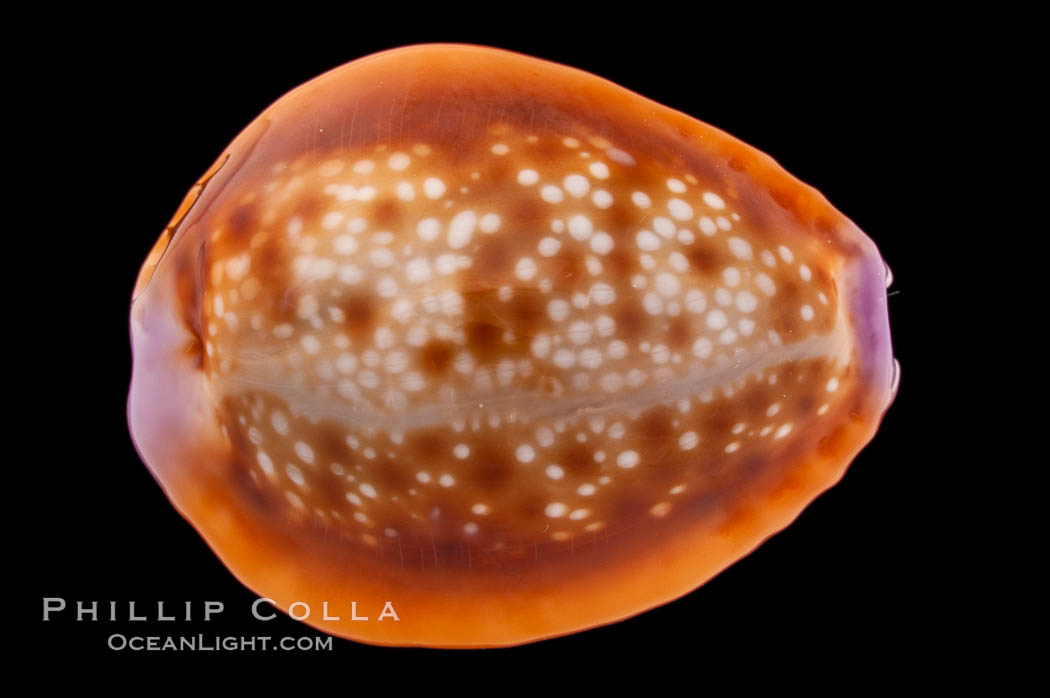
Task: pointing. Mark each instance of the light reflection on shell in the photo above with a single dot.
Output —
(501, 343)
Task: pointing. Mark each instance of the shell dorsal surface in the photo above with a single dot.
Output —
(500, 343)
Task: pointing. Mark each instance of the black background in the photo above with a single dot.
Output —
(134, 116)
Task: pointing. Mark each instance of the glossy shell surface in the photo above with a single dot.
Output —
(500, 346)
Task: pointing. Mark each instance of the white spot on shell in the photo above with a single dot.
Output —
(602, 294)
(555, 510)
(714, 200)
(551, 194)
(266, 463)
(740, 248)
(558, 309)
(461, 229)
(489, 223)
(433, 187)
(305, 453)
(549, 246)
(680, 209)
(746, 301)
(525, 269)
(716, 320)
(647, 241)
(577, 185)
(428, 229)
(620, 156)
(398, 162)
(702, 348)
(580, 227)
(602, 243)
(627, 459)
